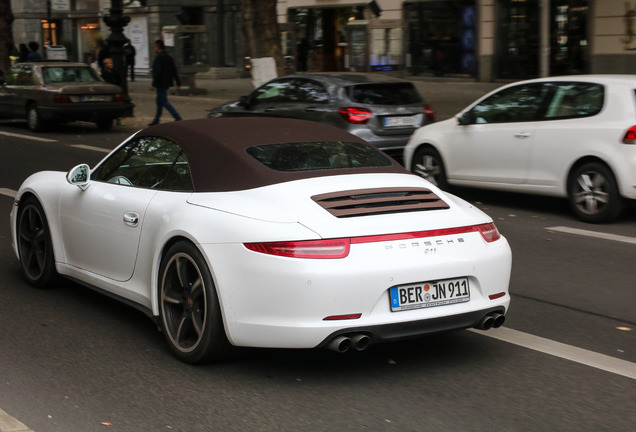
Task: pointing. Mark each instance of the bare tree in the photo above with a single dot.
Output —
(6, 34)
(260, 27)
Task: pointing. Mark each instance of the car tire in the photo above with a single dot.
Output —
(428, 164)
(191, 317)
(593, 193)
(34, 119)
(35, 248)
(104, 124)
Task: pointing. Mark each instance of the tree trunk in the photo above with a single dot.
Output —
(260, 27)
(6, 34)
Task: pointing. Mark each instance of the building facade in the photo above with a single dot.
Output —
(486, 40)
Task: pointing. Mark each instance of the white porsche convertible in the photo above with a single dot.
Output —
(264, 233)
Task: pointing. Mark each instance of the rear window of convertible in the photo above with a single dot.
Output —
(308, 156)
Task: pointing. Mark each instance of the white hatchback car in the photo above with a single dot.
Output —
(569, 136)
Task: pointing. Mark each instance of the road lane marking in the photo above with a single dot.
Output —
(87, 147)
(29, 137)
(564, 351)
(10, 424)
(595, 234)
(8, 192)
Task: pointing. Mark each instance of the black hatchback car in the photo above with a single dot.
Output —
(383, 111)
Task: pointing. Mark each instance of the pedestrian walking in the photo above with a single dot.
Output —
(34, 55)
(129, 53)
(164, 76)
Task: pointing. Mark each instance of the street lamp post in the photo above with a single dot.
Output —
(116, 20)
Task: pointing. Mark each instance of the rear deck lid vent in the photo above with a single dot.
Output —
(366, 202)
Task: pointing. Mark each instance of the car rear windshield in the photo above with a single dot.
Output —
(384, 94)
(308, 156)
(69, 74)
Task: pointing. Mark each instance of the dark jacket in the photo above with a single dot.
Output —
(164, 71)
(112, 77)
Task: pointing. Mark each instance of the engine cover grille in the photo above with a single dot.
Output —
(365, 202)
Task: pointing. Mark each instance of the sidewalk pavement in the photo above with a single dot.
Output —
(447, 96)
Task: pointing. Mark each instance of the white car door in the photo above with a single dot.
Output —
(101, 227)
(494, 143)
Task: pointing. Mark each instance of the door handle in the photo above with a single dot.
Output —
(522, 134)
(131, 218)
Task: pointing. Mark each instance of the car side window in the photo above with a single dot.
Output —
(521, 103)
(308, 91)
(147, 162)
(276, 92)
(572, 100)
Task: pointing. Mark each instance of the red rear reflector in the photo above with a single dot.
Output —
(118, 98)
(429, 113)
(630, 136)
(496, 296)
(489, 232)
(334, 248)
(355, 115)
(61, 99)
(342, 317)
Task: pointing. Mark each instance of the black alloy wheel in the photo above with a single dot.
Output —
(593, 193)
(190, 312)
(428, 164)
(34, 244)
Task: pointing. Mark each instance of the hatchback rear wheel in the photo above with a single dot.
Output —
(593, 193)
(428, 164)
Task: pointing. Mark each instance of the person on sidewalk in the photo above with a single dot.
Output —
(164, 75)
(129, 53)
(110, 75)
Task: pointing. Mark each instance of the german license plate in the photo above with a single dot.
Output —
(91, 99)
(399, 121)
(429, 294)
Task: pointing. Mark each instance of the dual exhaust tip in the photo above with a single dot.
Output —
(492, 320)
(357, 342)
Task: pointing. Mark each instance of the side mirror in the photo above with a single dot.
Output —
(244, 101)
(79, 176)
(466, 118)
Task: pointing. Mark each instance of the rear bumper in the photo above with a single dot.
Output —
(82, 112)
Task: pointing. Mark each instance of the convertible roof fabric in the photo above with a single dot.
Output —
(216, 150)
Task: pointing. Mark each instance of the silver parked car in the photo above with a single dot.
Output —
(382, 110)
(47, 92)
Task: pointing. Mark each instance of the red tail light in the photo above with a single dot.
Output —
(630, 136)
(58, 98)
(334, 248)
(339, 248)
(355, 115)
(118, 98)
(429, 113)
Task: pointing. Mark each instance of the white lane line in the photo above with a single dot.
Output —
(87, 147)
(10, 424)
(595, 234)
(8, 192)
(29, 137)
(564, 351)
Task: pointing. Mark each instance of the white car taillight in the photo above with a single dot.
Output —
(630, 136)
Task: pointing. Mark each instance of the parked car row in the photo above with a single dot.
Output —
(572, 136)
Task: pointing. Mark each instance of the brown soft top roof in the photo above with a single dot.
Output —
(219, 162)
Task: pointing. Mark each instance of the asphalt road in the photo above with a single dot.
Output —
(72, 360)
